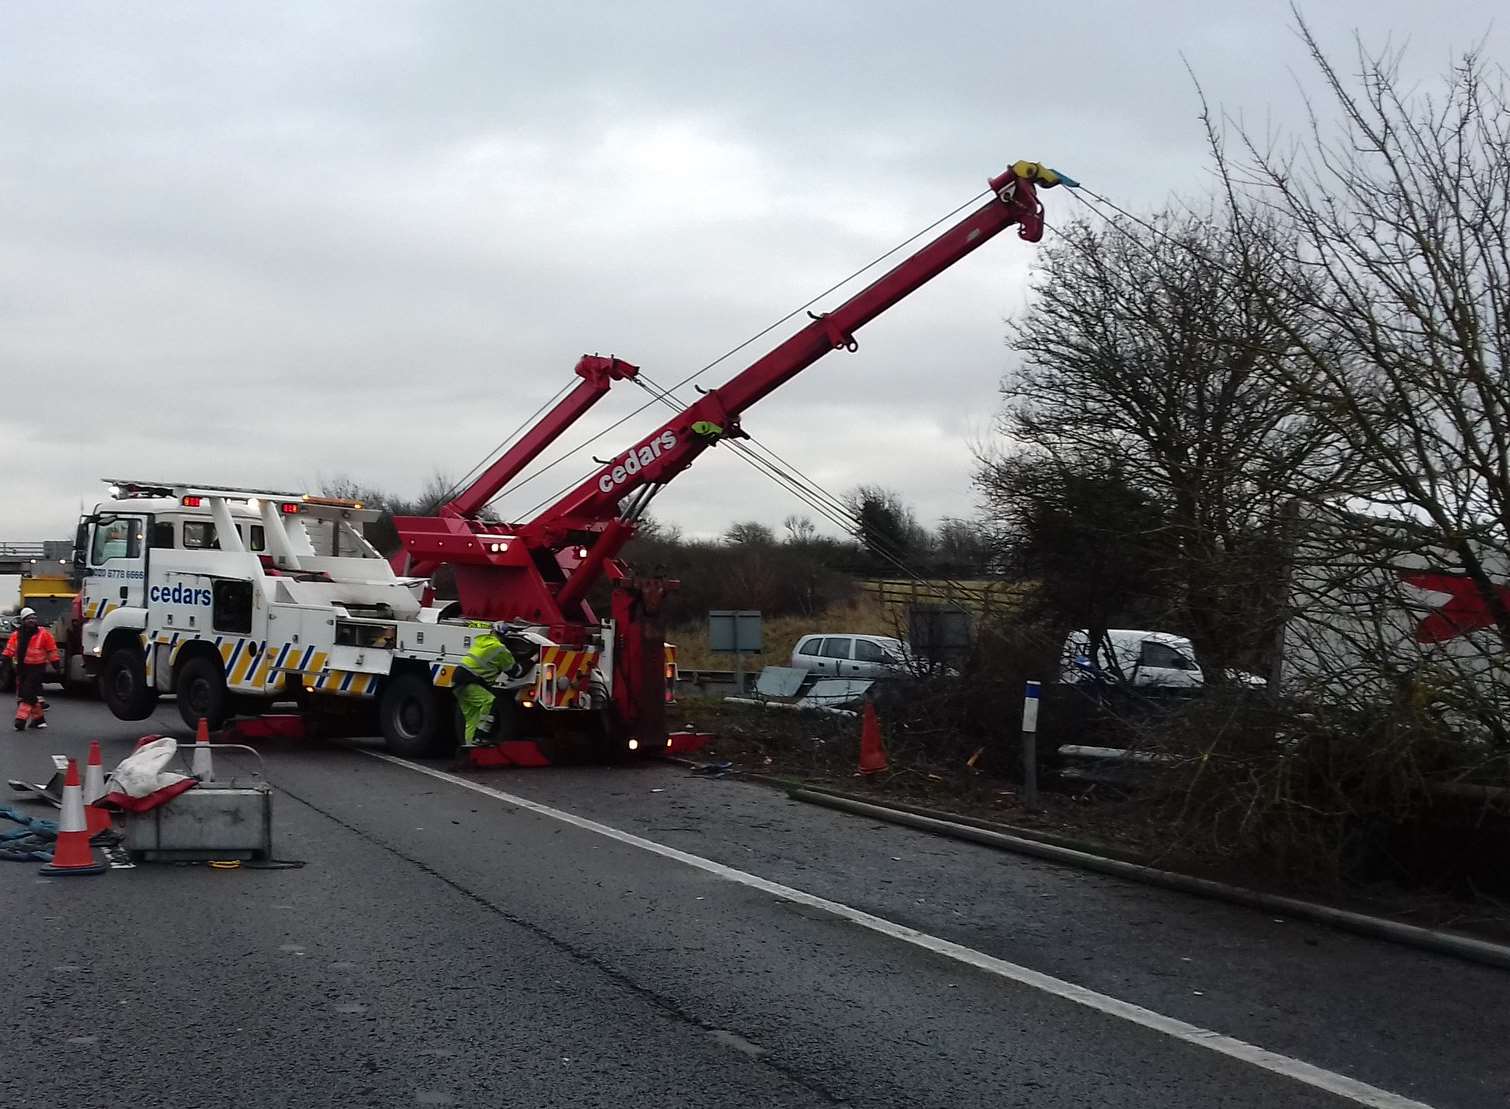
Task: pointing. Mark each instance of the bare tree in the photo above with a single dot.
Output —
(886, 526)
(800, 529)
(963, 548)
(749, 533)
(1151, 351)
(1395, 303)
(381, 532)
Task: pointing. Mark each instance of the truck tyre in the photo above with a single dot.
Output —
(413, 717)
(200, 685)
(123, 684)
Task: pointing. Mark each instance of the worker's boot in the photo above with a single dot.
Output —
(38, 722)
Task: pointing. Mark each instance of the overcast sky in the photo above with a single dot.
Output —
(270, 244)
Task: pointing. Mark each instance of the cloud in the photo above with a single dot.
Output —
(267, 243)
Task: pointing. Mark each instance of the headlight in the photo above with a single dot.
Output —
(634, 745)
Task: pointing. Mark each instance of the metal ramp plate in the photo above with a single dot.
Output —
(780, 681)
(50, 791)
(833, 692)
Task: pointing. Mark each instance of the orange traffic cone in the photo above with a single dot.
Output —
(872, 750)
(71, 854)
(204, 768)
(94, 788)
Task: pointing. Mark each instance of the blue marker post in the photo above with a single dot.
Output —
(1030, 745)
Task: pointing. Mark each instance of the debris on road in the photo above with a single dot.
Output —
(51, 791)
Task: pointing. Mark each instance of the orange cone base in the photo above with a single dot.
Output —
(53, 870)
(98, 820)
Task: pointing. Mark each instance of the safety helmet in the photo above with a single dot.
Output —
(25, 612)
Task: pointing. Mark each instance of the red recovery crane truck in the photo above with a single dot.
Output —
(539, 572)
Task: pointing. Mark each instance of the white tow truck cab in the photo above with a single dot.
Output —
(235, 598)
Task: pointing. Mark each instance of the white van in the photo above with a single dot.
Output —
(1143, 659)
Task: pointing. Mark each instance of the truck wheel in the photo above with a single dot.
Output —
(123, 685)
(413, 718)
(202, 695)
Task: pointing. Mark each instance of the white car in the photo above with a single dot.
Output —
(851, 655)
(1144, 660)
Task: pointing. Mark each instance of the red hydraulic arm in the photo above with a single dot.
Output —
(595, 505)
(428, 541)
(542, 570)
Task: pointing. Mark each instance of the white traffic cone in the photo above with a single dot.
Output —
(71, 854)
(203, 766)
(94, 788)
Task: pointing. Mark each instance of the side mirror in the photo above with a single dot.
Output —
(81, 549)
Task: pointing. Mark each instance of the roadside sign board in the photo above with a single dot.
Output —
(734, 630)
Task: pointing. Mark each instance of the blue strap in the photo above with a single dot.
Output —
(30, 825)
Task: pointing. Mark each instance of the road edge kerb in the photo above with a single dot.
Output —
(1410, 935)
(786, 784)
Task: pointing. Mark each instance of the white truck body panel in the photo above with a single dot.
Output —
(165, 570)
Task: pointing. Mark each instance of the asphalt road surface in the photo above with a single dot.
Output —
(639, 937)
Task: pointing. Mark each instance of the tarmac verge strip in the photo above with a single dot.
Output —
(1429, 939)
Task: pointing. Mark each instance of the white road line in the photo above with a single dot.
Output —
(1330, 1081)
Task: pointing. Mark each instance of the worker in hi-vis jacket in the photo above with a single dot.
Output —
(484, 666)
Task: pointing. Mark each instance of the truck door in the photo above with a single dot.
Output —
(1164, 668)
(116, 572)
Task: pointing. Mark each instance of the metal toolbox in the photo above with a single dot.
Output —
(218, 819)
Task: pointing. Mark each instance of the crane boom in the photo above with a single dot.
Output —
(428, 541)
(542, 569)
(671, 448)
(596, 372)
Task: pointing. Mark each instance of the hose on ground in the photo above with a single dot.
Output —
(31, 843)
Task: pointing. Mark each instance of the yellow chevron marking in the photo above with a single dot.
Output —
(243, 666)
(573, 664)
